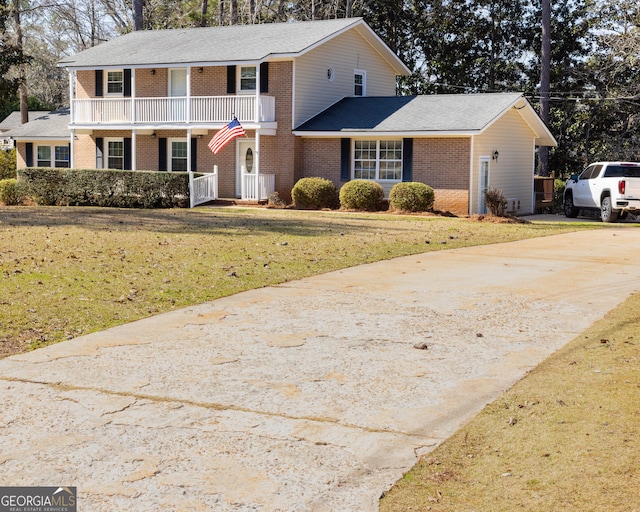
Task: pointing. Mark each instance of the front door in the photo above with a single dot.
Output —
(245, 162)
(178, 94)
(483, 184)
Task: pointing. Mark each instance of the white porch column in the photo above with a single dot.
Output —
(188, 143)
(133, 100)
(256, 112)
(72, 76)
(188, 106)
(134, 142)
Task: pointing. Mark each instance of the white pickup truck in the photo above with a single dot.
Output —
(611, 187)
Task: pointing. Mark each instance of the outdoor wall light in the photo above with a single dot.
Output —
(200, 70)
(495, 155)
(153, 71)
(153, 135)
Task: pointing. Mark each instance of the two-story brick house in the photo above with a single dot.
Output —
(315, 99)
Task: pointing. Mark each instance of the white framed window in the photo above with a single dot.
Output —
(114, 82)
(359, 82)
(177, 157)
(60, 156)
(379, 160)
(114, 153)
(247, 79)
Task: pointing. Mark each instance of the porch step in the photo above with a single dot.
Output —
(221, 202)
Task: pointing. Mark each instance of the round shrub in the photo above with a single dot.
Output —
(411, 197)
(314, 193)
(362, 195)
(12, 192)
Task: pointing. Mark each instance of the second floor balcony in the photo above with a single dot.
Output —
(172, 110)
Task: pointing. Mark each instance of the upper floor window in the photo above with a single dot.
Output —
(115, 82)
(247, 78)
(359, 83)
(60, 156)
(377, 160)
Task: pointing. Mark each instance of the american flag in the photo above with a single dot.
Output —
(231, 131)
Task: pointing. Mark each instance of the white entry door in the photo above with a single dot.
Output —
(483, 184)
(178, 94)
(245, 160)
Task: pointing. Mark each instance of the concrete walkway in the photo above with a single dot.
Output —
(310, 396)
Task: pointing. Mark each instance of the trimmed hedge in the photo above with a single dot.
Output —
(12, 192)
(314, 193)
(362, 195)
(106, 187)
(8, 164)
(411, 197)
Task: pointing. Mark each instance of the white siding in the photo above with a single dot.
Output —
(344, 54)
(512, 172)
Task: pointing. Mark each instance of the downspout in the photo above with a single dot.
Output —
(471, 162)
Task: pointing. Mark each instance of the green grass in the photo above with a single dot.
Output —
(71, 271)
(566, 437)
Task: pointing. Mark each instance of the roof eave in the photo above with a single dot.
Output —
(384, 133)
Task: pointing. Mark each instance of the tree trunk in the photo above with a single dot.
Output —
(545, 83)
(203, 17)
(221, 12)
(22, 88)
(233, 14)
(137, 14)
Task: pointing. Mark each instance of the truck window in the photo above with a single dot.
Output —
(622, 171)
(591, 172)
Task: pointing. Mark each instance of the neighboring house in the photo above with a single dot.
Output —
(11, 122)
(44, 140)
(315, 99)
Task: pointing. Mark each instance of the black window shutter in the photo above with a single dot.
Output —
(231, 79)
(127, 83)
(162, 154)
(127, 153)
(69, 154)
(99, 153)
(29, 156)
(407, 159)
(194, 154)
(264, 77)
(345, 159)
(98, 82)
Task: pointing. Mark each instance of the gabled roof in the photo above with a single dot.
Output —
(428, 115)
(13, 120)
(47, 125)
(220, 45)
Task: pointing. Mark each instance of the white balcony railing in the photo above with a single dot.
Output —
(197, 109)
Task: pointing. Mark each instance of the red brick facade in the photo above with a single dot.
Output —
(442, 163)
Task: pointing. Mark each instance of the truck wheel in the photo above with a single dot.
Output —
(570, 210)
(606, 211)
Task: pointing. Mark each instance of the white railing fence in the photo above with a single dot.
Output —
(203, 188)
(256, 187)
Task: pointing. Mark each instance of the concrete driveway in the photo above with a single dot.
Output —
(309, 396)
